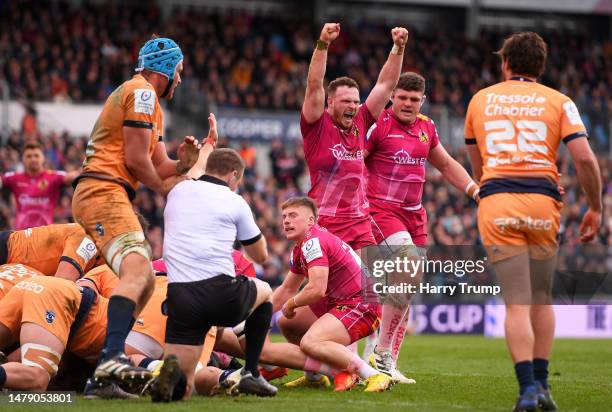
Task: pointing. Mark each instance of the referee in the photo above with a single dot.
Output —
(202, 220)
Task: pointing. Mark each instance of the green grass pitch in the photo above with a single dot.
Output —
(453, 373)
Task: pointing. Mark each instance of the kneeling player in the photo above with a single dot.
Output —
(328, 314)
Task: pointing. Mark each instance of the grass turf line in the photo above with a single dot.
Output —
(453, 373)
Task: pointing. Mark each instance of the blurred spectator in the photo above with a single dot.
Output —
(81, 52)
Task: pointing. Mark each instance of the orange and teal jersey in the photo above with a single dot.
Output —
(133, 104)
(518, 125)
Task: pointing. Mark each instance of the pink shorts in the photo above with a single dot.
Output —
(359, 319)
(357, 233)
(388, 219)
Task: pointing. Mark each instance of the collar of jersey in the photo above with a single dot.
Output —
(521, 79)
(213, 180)
(406, 127)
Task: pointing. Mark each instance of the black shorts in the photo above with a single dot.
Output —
(4, 238)
(193, 307)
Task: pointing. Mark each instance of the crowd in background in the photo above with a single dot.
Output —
(54, 51)
(451, 215)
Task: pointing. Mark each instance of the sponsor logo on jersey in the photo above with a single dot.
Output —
(515, 105)
(87, 250)
(340, 153)
(312, 250)
(27, 200)
(402, 157)
(144, 101)
(528, 161)
(49, 316)
(100, 229)
(519, 223)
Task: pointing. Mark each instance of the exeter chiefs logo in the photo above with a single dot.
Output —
(43, 184)
(423, 137)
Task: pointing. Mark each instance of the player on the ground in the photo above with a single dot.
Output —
(42, 313)
(36, 189)
(13, 273)
(126, 148)
(329, 313)
(334, 138)
(62, 250)
(513, 130)
(397, 148)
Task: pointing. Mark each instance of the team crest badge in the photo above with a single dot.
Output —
(423, 137)
(43, 184)
(356, 131)
(100, 229)
(50, 316)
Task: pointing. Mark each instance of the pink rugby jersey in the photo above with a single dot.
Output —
(36, 196)
(322, 248)
(335, 161)
(396, 160)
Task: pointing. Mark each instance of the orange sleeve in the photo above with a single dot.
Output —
(79, 250)
(103, 279)
(140, 106)
(571, 123)
(470, 137)
(160, 125)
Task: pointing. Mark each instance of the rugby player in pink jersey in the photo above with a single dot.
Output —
(397, 148)
(36, 190)
(329, 313)
(334, 138)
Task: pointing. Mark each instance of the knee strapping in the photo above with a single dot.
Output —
(123, 245)
(40, 356)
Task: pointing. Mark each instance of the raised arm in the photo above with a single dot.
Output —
(389, 75)
(208, 145)
(314, 100)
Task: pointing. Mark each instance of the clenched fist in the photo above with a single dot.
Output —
(330, 32)
(400, 36)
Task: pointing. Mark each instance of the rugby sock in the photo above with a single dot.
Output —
(400, 333)
(314, 365)
(120, 320)
(256, 330)
(361, 368)
(267, 367)
(524, 375)
(150, 364)
(391, 318)
(2, 377)
(540, 371)
(313, 376)
(145, 362)
(225, 374)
